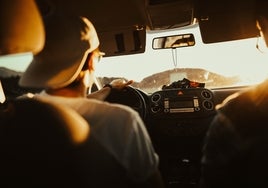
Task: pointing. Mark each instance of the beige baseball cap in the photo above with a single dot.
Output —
(68, 42)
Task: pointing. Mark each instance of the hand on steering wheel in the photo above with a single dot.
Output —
(122, 92)
(120, 83)
(117, 85)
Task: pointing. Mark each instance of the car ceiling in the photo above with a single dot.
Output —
(122, 24)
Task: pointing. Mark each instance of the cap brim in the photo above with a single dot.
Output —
(44, 72)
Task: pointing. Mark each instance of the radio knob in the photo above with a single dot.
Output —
(206, 94)
(155, 108)
(208, 105)
(156, 97)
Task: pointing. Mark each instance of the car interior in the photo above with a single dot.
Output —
(177, 113)
(50, 149)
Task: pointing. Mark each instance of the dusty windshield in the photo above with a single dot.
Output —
(218, 65)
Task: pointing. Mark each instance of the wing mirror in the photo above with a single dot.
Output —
(174, 41)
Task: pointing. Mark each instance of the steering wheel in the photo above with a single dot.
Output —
(129, 96)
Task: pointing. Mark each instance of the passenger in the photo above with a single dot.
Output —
(65, 68)
(235, 152)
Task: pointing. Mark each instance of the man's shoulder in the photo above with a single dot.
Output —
(247, 109)
(112, 108)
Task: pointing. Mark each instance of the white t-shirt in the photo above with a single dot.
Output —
(119, 129)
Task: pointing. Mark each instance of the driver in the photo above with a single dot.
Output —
(65, 69)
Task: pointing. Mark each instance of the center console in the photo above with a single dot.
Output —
(178, 120)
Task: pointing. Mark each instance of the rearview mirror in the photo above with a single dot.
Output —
(174, 41)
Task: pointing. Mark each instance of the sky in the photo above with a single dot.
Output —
(17, 62)
(226, 58)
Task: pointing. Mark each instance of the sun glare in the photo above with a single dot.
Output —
(16, 62)
(247, 59)
(236, 58)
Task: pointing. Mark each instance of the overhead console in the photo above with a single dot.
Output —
(178, 13)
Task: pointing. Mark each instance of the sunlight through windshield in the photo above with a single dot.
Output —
(224, 64)
(239, 60)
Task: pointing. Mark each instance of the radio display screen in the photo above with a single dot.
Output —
(181, 104)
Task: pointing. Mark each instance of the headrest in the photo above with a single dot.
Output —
(16, 37)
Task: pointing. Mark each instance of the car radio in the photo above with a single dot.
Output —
(174, 101)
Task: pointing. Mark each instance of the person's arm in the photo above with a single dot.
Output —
(102, 94)
(221, 148)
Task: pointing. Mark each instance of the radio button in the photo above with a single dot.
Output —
(166, 110)
(206, 94)
(156, 97)
(196, 103)
(196, 108)
(155, 108)
(166, 104)
(208, 105)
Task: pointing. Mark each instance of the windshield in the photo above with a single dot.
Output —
(225, 64)
(218, 65)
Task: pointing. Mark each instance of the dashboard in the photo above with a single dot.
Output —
(194, 102)
(177, 120)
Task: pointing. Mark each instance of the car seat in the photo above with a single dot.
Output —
(43, 144)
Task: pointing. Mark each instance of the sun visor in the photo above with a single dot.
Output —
(126, 41)
(213, 16)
